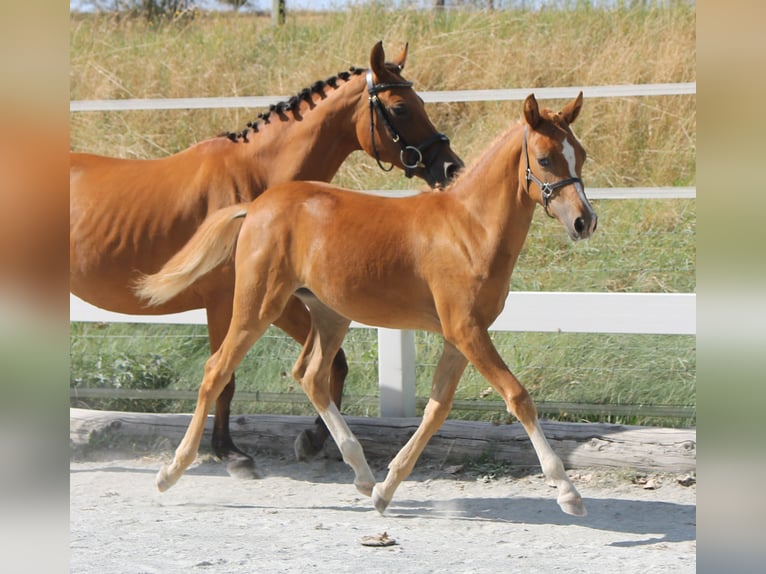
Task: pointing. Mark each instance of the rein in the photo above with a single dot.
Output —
(547, 189)
(407, 152)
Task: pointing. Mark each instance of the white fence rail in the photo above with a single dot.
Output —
(515, 94)
(645, 313)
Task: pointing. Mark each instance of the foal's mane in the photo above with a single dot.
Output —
(293, 103)
(546, 115)
(487, 153)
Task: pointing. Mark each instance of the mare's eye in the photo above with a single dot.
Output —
(399, 110)
(544, 161)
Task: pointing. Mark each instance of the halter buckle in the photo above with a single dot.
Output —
(417, 163)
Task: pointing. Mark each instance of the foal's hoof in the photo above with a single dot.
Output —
(377, 499)
(364, 487)
(572, 504)
(242, 467)
(304, 446)
(165, 478)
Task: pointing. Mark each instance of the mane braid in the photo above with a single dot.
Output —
(293, 103)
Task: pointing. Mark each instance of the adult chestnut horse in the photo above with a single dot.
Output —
(440, 262)
(129, 216)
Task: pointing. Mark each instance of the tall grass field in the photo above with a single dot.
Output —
(640, 246)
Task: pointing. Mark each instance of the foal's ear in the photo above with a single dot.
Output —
(572, 109)
(401, 58)
(531, 111)
(378, 60)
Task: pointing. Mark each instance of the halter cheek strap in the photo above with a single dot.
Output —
(410, 156)
(546, 189)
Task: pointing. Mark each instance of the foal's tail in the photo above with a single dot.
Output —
(212, 244)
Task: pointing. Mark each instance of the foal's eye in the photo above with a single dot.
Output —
(399, 110)
(544, 161)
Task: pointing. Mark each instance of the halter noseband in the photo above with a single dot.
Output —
(406, 151)
(546, 189)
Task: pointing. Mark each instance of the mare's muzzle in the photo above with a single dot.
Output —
(422, 157)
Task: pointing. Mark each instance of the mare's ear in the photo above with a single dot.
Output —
(378, 60)
(531, 111)
(572, 109)
(401, 58)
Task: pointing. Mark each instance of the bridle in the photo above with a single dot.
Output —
(546, 189)
(411, 156)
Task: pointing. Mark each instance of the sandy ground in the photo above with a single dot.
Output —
(307, 517)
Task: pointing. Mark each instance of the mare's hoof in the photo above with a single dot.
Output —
(242, 467)
(572, 504)
(165, 479)
(377, 499)
(304, 446)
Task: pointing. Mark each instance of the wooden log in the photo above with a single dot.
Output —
(580, 445)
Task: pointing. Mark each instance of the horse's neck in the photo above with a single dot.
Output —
(311, 147)
(492, 196)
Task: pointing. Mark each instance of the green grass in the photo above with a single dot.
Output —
(640, 246)
(576, 368)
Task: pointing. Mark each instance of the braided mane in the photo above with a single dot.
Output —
(292, 104)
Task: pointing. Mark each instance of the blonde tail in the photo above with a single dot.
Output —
(212, 244)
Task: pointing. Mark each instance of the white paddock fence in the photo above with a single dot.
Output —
(568, 312)
(447, 96)
(638, 313)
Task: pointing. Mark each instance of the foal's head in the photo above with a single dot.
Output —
(397, 129)
(552, 159)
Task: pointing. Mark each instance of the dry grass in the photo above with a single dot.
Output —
(631, 141)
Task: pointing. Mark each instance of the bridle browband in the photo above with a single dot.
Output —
(415, 153)
(546, 189)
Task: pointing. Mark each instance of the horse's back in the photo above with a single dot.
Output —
(127, 216)
(350, 249)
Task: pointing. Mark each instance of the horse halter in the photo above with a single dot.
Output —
(546, 189)
(406, 151)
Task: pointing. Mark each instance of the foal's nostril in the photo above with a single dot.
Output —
(579, 225)
(595, 223)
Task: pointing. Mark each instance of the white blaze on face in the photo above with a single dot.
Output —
(567, 149)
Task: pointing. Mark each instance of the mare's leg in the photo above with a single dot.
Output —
(238, 463)
(296, 322)
(477, 346)
(446, 376)
(312, 370)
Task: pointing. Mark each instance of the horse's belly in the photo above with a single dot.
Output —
(396, 308)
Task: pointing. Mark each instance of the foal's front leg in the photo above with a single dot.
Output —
(483, 355)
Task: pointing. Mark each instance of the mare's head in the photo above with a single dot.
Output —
(552, 161)
(397, 129)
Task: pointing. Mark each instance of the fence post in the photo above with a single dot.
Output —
(278, 12)
(396, 372)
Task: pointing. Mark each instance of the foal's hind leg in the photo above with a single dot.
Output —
(446, 377)
(254, 310)
(312, 370)
(296, 322)
(238, 463)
